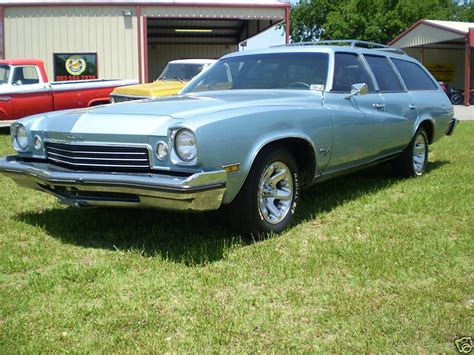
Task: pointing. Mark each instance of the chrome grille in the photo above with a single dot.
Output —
(98, 157)
(120, 98)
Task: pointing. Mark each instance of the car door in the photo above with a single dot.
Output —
(29, 95)
(358, 126)
(400, 111)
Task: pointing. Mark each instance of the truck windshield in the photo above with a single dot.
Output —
(180, 72)
(4, 74)
(301, 71)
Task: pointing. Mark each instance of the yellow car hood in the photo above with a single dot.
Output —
(157, 88)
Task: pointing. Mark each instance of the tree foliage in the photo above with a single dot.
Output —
(371, 20)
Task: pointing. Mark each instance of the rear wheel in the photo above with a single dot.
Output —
(414, 159)
(269, 198)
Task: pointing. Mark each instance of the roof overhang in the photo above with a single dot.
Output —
(426, 32)
(197, 3)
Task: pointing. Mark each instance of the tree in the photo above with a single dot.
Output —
(371, 20)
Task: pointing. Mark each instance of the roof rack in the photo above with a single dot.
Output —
(353, 43)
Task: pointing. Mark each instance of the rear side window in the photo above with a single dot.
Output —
(414, 77)
(348, 70)
(384, 74)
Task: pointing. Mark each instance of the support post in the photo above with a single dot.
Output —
(139, 40)
(467, 75)
(287, 25)
(2, 32)
(145, 46)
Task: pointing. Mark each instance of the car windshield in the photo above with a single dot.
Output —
(299, 71)
(4, 74)
(181, 71)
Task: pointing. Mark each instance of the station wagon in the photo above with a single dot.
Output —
(249, 133)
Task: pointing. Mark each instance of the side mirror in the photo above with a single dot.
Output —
(18, 82)
(358, 89)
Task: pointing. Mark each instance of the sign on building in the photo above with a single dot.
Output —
(75, 66)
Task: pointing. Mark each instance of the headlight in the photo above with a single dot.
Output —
(185, 145)
(21, 138)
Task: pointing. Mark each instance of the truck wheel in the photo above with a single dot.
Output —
(269, 198)
(414, 159)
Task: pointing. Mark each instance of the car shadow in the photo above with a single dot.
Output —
(193, 239)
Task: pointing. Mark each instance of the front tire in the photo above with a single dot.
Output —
(269, 198)
(414, 159)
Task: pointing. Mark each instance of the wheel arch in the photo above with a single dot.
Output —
(429, 126)
(302, 150)
(97, 102)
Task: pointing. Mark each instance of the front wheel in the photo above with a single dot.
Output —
(269, 198)
(414, 159)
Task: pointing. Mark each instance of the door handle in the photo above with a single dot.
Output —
(5, 98)
(412, 107)
(379, 106)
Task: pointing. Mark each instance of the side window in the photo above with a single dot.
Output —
(384, 74)
(26, 75)
(414, 77)
(348, 70)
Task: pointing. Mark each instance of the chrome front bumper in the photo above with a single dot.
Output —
(198, 192)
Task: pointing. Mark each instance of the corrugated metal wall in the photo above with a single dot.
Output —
(451, 56)
(160, 54)
(38, 32)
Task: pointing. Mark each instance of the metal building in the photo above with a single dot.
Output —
(444, 47)
(132, 39)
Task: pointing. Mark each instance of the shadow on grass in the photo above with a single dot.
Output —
(192, 239)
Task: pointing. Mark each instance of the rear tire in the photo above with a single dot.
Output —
(414, 159)
(269, 198)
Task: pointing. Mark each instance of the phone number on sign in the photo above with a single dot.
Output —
(75, 77)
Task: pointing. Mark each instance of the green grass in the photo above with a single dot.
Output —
(373, 264)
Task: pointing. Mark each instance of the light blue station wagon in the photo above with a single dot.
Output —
(250, 132)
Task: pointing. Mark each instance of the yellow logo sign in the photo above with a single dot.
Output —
(75, 65)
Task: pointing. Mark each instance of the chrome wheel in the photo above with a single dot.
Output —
(419, 154)
(275, 192)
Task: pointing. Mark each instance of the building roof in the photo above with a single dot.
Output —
(432, 31)
(452, 25)
(210, 3)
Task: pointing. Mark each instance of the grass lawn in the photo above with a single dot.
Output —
(373, 264)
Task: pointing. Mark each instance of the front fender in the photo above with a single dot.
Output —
(240, 139)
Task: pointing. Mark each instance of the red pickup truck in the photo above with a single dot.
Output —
(25, 90)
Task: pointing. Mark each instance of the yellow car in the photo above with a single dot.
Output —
(175, 76)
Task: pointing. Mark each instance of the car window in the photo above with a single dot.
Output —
(27, 75)
(384, 74)
(4, 74)
(349, 70)
(414, 76)
(181, 71)
(265, 71)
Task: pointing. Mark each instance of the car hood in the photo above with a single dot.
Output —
(155, 89)
(198, 104)
(155, 116)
